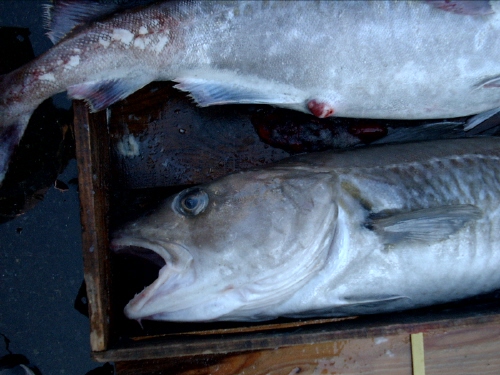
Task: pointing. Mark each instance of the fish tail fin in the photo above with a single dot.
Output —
(10, 136)
(13, 121)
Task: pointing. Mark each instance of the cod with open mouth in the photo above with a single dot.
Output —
(364, 231)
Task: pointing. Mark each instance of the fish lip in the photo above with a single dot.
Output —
(177, 259)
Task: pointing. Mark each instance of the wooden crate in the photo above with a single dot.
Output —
(187, 145)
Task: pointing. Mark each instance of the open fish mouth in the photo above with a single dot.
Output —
(174, 261)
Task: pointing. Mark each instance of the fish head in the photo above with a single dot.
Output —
(232, 249)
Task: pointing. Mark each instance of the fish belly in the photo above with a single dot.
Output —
(363, 59)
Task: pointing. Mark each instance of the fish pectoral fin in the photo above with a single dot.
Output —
(372, 299)
(373, 302)
(102, 94)
(490, 82)
(426, 225)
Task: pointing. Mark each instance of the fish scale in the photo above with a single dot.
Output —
(430, 185)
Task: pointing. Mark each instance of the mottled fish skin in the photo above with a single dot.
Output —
(378, 59)
(372, 230)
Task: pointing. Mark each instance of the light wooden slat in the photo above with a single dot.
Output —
(417, 353)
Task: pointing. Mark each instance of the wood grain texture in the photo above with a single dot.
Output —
(92, 155)
(380, 355)
(457, 351)
(178, 345)
(470, 350)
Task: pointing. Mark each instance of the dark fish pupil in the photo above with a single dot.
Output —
(190, 203)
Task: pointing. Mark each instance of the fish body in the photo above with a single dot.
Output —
(379, 59)
(373, 230)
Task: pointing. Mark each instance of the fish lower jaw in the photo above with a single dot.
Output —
(161, 292)
(175, 272)
(189, 304)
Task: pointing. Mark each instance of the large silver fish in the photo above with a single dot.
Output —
(377, 59)
(370, 230)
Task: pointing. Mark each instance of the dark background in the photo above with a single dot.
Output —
(41, 266)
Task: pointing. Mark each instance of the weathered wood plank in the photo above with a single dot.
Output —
(457, 351)
(92, 155)
(383, 355)
(469, 350)
(366, 327)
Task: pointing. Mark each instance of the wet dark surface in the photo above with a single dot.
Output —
(40, 251)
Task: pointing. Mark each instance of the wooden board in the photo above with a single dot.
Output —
(178, 345)
(93, 171)
(455, 351)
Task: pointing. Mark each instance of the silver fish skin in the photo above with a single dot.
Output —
(377, 59)
(372, 230)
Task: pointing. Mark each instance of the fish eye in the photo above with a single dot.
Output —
(191, 202)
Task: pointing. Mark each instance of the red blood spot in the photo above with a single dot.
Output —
(320, 109)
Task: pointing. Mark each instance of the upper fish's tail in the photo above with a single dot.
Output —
(9, 139)
(13, 121)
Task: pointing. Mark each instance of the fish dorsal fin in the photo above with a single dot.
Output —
(63, 16)
(425, 225)
(102, 94)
